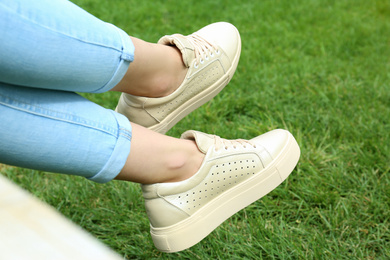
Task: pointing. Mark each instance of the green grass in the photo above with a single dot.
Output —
(317, 68)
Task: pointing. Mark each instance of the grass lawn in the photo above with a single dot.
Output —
(319, 68)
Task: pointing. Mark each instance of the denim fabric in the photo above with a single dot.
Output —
(61, 132)
(54, 44)
(50, 49)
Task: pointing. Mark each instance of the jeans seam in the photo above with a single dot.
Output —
(125, 133)
(61, 33)
(54, 117)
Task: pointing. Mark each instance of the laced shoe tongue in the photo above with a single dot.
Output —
(203, 141)
(184, 45)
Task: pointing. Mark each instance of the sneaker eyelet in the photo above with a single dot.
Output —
(196, 65)
(201, 61)
(217, 52)
(211, 54)
(206, 58)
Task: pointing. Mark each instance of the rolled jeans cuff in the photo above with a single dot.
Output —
(127, 56)
(120, 153)
(62, 132)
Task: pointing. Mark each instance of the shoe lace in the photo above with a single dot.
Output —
(203, 48)
(221, 143)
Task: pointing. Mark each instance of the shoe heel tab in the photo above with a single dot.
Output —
(202, 140)
(149, 191)
(185, 47)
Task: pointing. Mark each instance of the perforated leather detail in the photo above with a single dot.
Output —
(221, 178)
(198, 83)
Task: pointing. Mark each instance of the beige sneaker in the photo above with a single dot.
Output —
(234, 174)
(211, 55)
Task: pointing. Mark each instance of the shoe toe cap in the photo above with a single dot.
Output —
(273, 141)
(225, 35)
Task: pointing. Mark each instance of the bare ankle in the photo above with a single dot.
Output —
(174, 73)
(157, 71)
(184, 166)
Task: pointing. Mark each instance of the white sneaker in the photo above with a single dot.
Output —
(211, 55)
(234, 174)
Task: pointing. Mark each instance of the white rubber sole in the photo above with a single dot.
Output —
(192, 230)
(195, 102)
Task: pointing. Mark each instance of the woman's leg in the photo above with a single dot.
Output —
(192, 184)
(156, 71)
(62, 132)
(157, 158)
(54, 44)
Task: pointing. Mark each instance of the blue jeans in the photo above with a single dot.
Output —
(50, 49)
